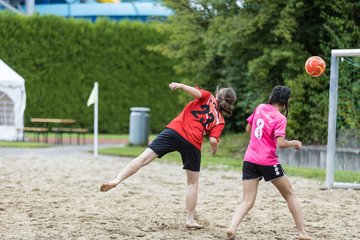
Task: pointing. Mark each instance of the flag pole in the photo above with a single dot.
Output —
(96, 109)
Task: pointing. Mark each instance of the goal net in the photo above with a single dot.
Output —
(343, 147)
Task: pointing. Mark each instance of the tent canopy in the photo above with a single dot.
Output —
(12, 103)
(8, 75)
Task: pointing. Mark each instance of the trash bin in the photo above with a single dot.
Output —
(139, 126)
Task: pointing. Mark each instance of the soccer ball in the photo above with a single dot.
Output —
(315, 66)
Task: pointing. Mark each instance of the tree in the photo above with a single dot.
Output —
(254, 45)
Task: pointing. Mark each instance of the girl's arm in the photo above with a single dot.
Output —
(193, 91)
(248, 128)
(213, 145)
(282, 143)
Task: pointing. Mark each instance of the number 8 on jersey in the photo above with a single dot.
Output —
(259, 128)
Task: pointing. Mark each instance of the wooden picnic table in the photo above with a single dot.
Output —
(60, 122)
(53, 120)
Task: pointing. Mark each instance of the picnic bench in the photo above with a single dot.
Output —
(79, 131)
(62, 126)
(37, 131)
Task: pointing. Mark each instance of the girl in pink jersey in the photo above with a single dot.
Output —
(267, 126)
(185, 134)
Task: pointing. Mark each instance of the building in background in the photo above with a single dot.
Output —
(91, 9)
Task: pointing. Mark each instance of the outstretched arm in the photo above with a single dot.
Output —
(193, 91)
(282, 143)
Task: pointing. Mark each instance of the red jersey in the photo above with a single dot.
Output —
(199, 117)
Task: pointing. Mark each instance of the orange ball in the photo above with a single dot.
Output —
(315, 66)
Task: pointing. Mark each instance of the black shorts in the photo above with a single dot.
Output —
(253, 171)
(170, 141)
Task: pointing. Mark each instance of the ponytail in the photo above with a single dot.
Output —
(226, 99)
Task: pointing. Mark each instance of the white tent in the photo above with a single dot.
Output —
(12, 103)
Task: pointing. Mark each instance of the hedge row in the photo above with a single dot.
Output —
(60, 59)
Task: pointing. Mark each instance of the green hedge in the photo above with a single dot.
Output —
(60, 59)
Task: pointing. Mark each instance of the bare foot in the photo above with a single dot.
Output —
(193, 225)
(305, 237)
(230, 235)
(107, 186)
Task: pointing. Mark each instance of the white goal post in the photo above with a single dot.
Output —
(336, 54)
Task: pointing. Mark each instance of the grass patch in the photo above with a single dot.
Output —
(24, 144)
(320, 174)
(230, 157)
(65, 136)
(313, 173)
(128, 151)
(108, 136)
(115, 136)
(347, 176)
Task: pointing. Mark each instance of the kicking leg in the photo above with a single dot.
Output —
(132, 167)
(191, 199)
(250, 190)
(284, 186)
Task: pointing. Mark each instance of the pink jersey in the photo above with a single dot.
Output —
(267, 123)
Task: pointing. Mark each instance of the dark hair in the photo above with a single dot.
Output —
(226, 99)
(280, 95)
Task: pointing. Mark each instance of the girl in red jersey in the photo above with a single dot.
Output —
(267, 126)
(185, 134)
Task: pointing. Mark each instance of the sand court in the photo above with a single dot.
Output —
(54, 193)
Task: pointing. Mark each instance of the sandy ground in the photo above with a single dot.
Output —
(54, 194)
